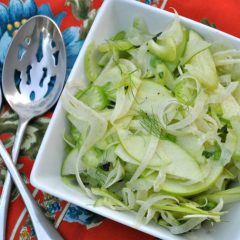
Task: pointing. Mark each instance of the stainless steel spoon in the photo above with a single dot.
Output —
(33, 78)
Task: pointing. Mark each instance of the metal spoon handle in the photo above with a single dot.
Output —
(6, 192)
(22, 125)
(43, 228)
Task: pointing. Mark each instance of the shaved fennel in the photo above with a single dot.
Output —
(157, 128)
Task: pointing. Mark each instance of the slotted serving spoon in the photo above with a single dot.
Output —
(33, 78)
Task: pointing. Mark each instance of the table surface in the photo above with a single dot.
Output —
(74, 222)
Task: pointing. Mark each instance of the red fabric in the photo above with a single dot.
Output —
(226, 16)
(107, 230)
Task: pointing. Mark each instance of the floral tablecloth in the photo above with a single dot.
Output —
(75, 18)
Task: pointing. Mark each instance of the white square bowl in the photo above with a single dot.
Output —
(114, 16)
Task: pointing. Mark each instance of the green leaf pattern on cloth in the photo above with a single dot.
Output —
(32, 138)
(80, 8)
(30, 146)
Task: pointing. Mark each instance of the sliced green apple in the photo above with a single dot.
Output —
(178, 162)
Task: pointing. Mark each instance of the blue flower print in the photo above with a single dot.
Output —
(17, 13)
(151, 1)
(73, 45)
(53, 207)
(82, 216)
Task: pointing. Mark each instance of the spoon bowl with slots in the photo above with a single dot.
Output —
(32, 80)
